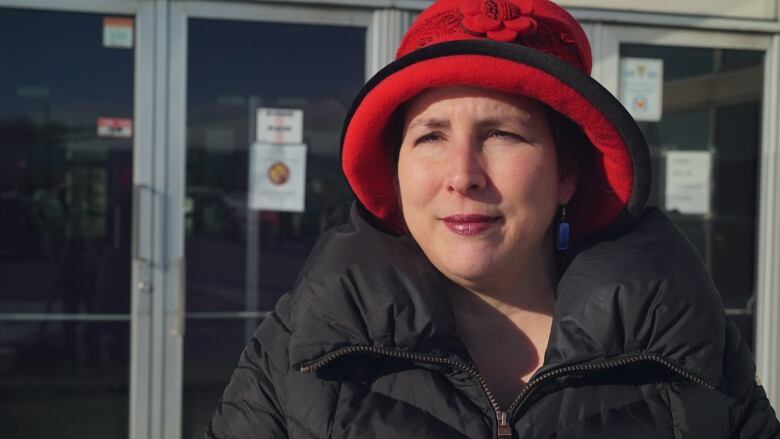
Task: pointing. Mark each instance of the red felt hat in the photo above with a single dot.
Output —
(528, 47)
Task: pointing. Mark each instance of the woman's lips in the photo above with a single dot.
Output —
(469, 224)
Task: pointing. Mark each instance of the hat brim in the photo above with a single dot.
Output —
(623, 156)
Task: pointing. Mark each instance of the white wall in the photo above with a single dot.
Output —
(750, 9)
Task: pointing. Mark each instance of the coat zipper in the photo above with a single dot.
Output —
(503, 418)
(503, 428)
(600, 365)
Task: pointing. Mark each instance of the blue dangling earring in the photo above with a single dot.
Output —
(564, 231)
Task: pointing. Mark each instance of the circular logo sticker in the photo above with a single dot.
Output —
(278, 173)
(640, 104)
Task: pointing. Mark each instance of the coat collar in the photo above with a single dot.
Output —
(364, 287)
(644, 292)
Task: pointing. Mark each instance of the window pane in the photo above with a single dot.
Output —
(239, 259)
(65, 215)
(64, 379)
(65, 190)
(211, 353)
(712, 103)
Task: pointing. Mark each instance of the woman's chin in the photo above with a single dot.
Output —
(468, 270)
(468, 261)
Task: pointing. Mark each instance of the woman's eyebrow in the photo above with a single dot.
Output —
(491, 122)
(494, 122)
(430, 123)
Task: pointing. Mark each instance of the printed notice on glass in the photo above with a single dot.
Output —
(641, 87)
(688, 179)
(120, 128)
(118, 32)
(277, 177)
(279, 125)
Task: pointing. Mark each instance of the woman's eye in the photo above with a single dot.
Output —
(430, 137)
(504, 135)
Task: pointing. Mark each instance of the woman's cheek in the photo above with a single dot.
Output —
(417, 178)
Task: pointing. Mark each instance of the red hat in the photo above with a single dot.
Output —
(527, 47)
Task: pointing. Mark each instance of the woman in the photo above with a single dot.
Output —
(443, 309)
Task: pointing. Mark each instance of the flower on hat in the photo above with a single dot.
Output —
(500, 20)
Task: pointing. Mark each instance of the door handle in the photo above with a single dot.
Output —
(141, 265)
(179, 327)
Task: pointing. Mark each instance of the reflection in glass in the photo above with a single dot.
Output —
(65, 192)
(235, 68)
(51, 388)
(241, 260)
(209, 360)
(65, 210)
(712, 102)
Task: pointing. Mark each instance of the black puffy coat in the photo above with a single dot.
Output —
(364, 347)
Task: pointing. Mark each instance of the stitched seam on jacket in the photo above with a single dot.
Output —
(211, 435)
(663, 390)
(279, 321)
(742, 404)
(727, 387)
(261, 349)
(258, 371)
(210, 429)
(260, 374)
(318, 291)
(335, 410)
(619, 408)
(666, 397)
(302, 426)
(420, 409)
(674, 412)
(259, 408)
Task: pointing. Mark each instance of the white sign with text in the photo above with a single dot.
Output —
(280, 126)
(688, 181)
(641, 87)
(277, 177)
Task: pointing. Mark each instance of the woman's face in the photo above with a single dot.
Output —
(479, 182)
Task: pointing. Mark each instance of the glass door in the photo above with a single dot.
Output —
(249, 70)
(699, 99)
(67, 84)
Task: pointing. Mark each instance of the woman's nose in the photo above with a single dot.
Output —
(465, 171)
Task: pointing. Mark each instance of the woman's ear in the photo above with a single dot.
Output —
(568, 177)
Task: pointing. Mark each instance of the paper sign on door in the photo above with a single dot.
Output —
(280, 126)
(688, 181)
(641, 87)
(277, 177)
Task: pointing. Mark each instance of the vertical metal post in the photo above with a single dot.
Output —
(156, 407)
(252, 274)
(143, 224)
(768, 285)
(384, 35)
(170, 167)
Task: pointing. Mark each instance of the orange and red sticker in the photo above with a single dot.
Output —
(278, 173)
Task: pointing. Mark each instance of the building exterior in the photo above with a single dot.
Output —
(138, 250)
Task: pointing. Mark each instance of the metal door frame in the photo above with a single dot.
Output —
(157, 310)
(606, 40)
(169, 425)
(145, 149)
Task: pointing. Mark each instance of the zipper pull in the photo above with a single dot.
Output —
(504, 430)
